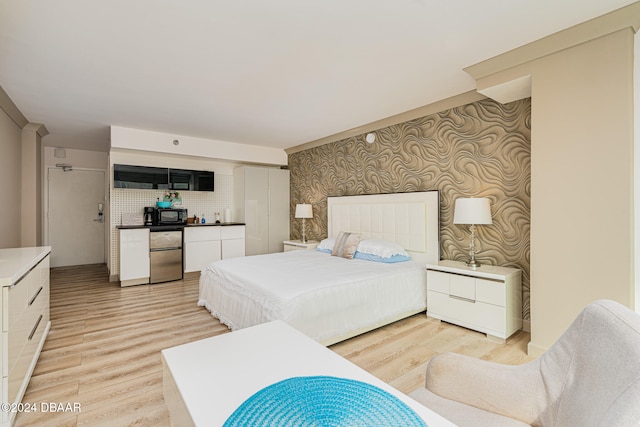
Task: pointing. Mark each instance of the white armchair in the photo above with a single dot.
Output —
(589, 377)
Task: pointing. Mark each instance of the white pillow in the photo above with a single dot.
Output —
(327, 244)
(381, 248)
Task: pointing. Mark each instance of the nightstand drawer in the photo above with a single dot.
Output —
(487, 318)
(297, 245)
(437, 281)
(462, 287)
(491, 292)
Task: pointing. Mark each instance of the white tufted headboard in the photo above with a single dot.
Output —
(411, 220)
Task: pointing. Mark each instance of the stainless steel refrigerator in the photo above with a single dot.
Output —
(166, 256)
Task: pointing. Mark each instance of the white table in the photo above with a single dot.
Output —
(205, 381)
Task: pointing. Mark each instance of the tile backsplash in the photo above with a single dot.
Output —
(132, 201)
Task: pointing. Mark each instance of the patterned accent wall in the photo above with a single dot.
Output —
(481, 149)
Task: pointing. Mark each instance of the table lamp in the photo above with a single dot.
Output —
(304, 210)
(472, 211)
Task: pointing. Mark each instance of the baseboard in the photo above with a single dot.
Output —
(534, 350)
(526, 325)
(114, 278)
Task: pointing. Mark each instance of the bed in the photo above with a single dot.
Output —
(332, 298)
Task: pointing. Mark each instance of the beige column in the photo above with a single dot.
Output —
(582, 174)
(31, 203)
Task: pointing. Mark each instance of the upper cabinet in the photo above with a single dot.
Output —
(190, 180)
(153, 178)
(147, 177)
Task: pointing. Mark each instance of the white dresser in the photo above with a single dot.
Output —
(487, 299)
(24, 277)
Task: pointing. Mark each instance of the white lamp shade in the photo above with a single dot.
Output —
(304, 210)
(472, 211)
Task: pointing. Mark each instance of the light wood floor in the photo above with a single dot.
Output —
(103, 350)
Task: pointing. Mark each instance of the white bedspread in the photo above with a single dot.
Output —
(328, 298)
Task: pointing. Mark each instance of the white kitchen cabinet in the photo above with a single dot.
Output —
(261, 201)
(24, 277)
(201, 247)
(204, 244)
(487, 299)
(232, 241)
(135, 268)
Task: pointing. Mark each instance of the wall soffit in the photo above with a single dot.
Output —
(513, 86)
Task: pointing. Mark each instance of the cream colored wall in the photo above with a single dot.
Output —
(20, 174)
(582, 182)
(582, 170)
(10, 177)
(636, 137)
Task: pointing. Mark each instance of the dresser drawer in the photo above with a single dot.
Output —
(18, 372)
(25, 327)
(14, 301)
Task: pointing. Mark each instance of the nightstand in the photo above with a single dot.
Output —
(297, 245)
(487, 299)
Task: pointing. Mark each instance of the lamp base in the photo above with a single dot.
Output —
(304, 234)
(473, 264)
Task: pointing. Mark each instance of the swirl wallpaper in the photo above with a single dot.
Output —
(482, 149)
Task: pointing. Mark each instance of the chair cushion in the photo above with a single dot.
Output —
(461, 414)
(592, 373)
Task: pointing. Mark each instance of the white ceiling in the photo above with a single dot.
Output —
(276, 73)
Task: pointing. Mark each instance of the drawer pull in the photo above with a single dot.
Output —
(35, 296)
(472, 301)
(35, 328)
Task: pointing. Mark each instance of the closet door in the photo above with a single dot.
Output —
(256, 204)
(278, 209)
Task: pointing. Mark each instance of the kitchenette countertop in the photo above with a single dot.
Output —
(178, 226)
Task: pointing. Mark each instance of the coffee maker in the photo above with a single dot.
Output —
(148, 215)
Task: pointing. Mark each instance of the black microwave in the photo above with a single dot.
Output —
(171, 216)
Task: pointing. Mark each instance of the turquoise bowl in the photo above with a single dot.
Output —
(163, 204)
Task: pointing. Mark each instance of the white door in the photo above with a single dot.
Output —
(75, 228)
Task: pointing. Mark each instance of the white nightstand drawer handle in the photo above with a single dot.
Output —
(463, 299)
